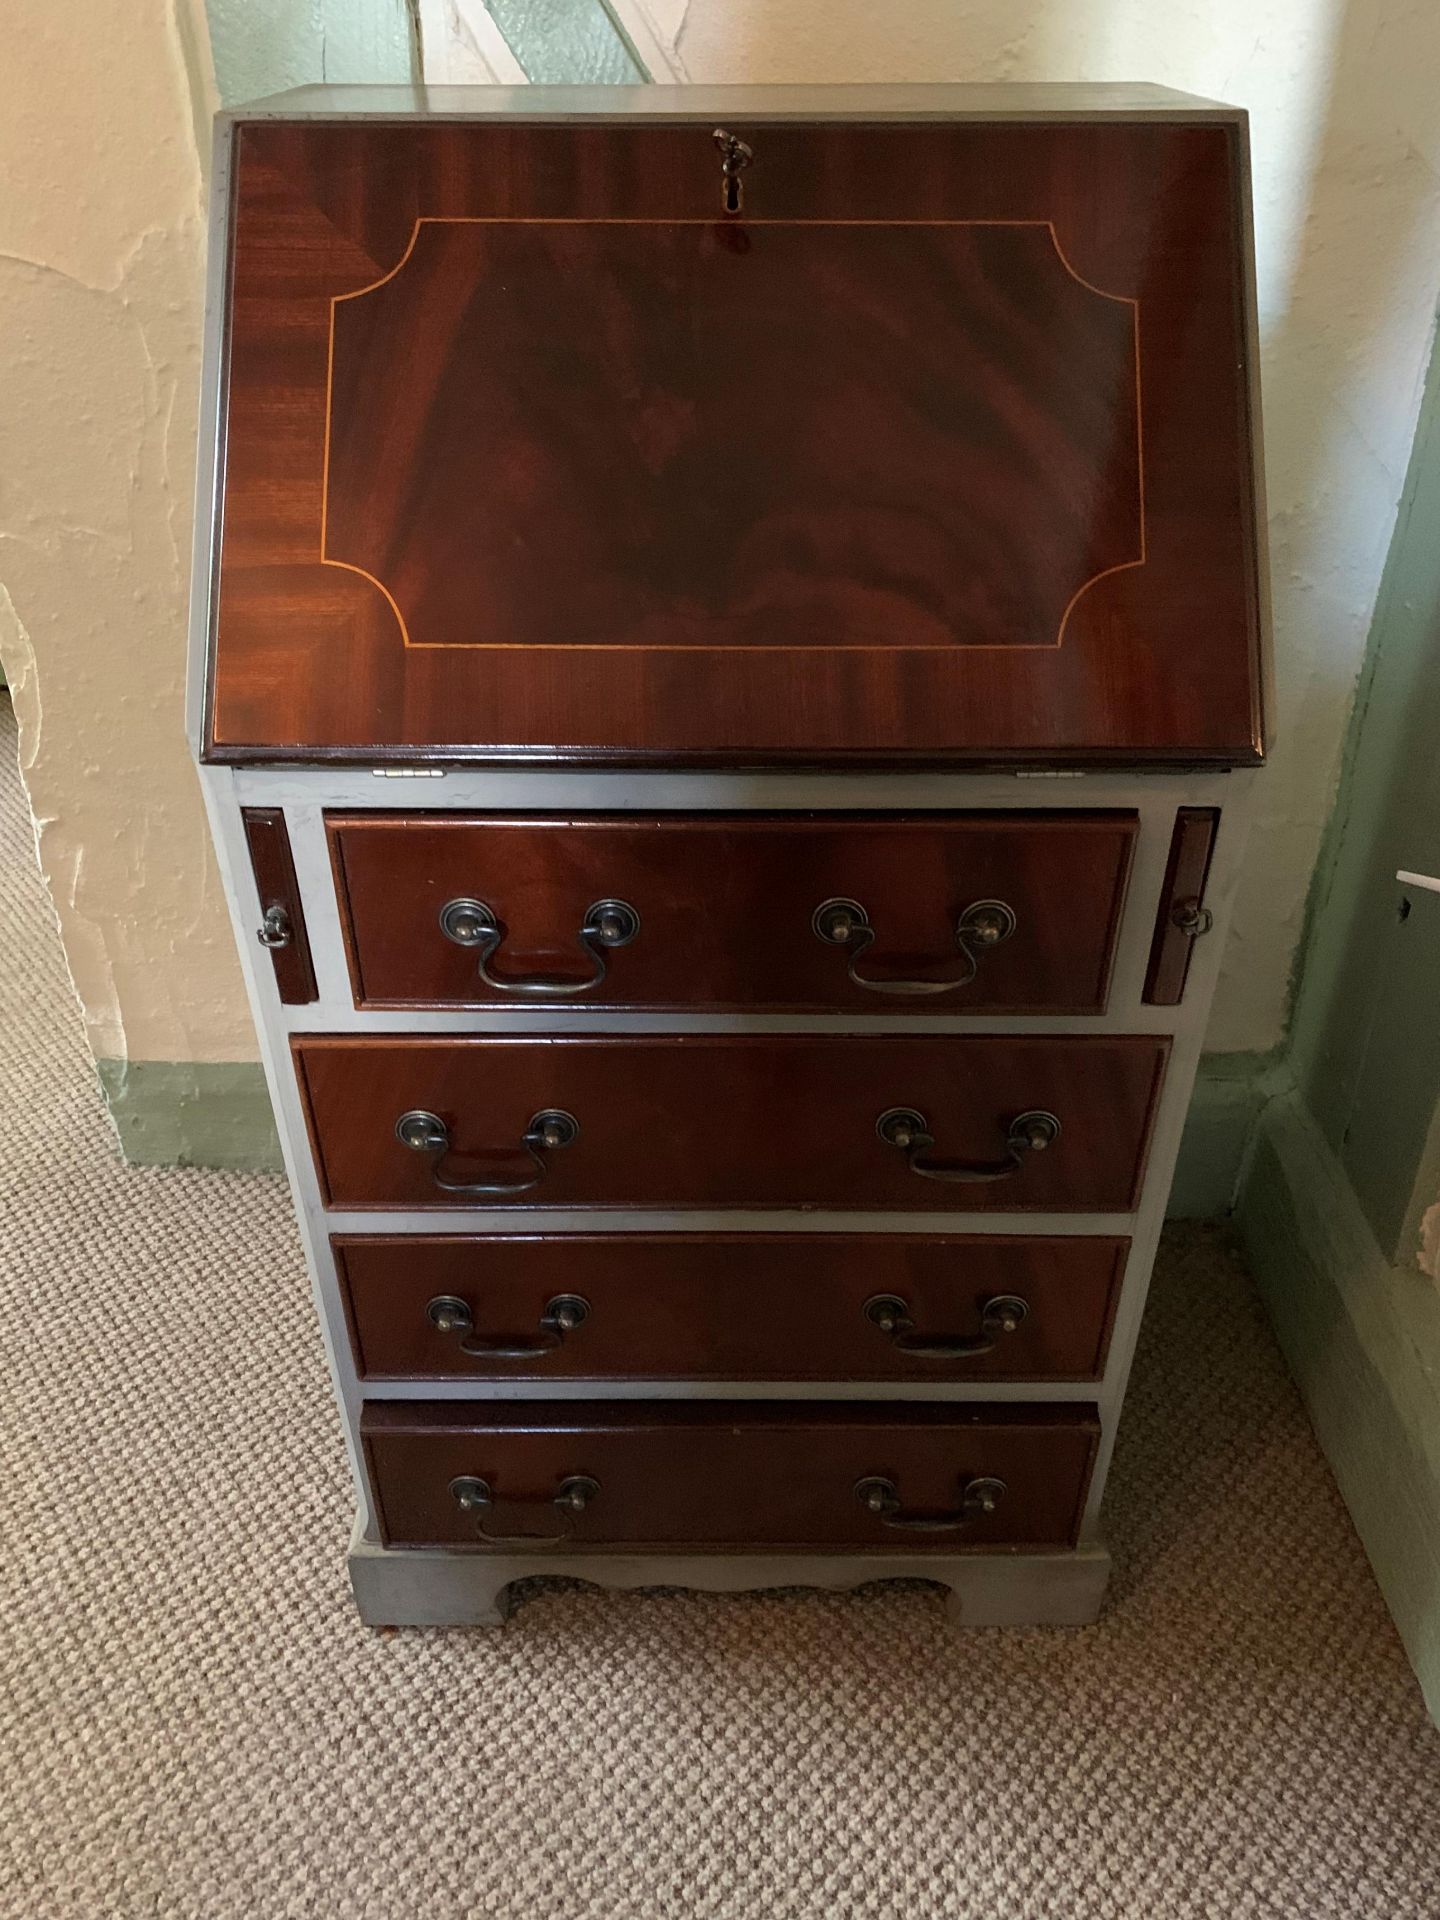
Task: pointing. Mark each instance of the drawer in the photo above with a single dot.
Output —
(705, 1476)
(997, 912)
(680, 1306)
(935, 1123)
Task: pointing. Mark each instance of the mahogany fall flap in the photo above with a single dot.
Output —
(939, 451)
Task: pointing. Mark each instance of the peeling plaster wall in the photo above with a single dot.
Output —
(101, 244)
(104, 129)
(1345, 114)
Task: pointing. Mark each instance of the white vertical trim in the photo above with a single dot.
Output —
(460, 45)
(657, 51)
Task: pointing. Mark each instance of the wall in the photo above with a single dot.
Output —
(101, 246)
(1366, 1044)
(1341, 1207)
(103, 138)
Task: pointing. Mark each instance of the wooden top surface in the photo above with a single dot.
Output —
(890, 100)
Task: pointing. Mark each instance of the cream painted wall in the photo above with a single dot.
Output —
(101, 255)
(1345, 124)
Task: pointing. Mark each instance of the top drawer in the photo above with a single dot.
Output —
(993, 913)
(937, 448)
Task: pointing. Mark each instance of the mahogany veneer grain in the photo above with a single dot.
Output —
(940, 453)
(726, 903)
(688, 1474)
(691, 1306)
(700, 1120)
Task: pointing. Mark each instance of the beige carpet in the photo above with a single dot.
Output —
(194, 1724)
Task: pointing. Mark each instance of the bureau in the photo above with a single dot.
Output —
(728, 664)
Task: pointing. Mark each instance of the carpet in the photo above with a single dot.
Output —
(193, 1722)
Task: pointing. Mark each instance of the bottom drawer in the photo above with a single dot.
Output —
(701, 1475)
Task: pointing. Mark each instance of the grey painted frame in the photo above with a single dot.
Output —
(428, 1588)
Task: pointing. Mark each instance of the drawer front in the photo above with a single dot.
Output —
(729, 1306)
(708, 1121)
(1000, 912)
(704, 1476)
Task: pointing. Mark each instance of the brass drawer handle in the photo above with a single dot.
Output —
(908, 1130)
(607, 924)
(845, 923)
(999, 1317)
(882, 1498)
(549, 1130)
(474, 1495)
(447, 1313)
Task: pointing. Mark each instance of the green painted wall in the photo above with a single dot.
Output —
(187, 1113)
(1347, 1163)
(567, 43)
(1365, 1036)
(264, 46)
